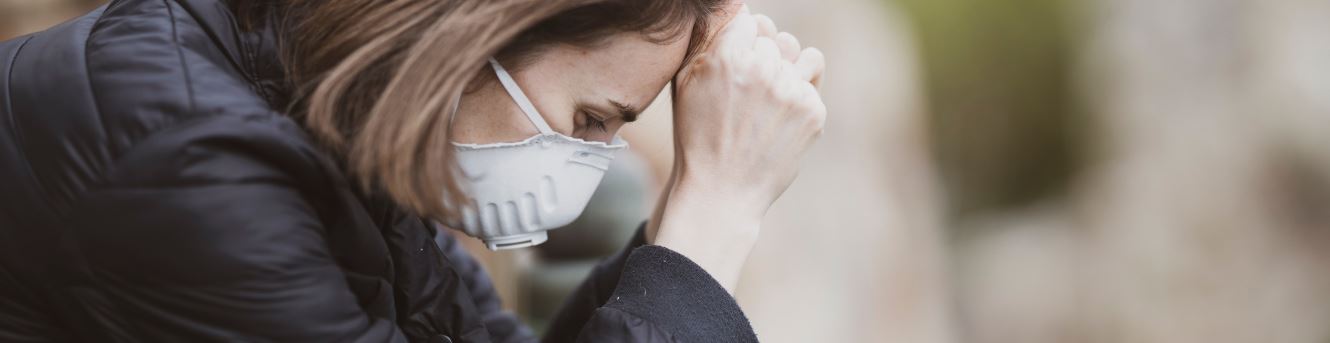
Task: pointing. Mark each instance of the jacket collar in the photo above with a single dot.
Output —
(253, 52)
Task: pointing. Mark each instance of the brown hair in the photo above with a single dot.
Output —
(374, 81)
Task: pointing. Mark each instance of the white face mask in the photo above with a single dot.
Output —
(520, 190)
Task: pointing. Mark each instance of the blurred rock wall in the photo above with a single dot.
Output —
(1203, 214)
(23, 16)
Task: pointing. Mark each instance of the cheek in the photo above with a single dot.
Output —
(551, 95)
(479, 122)
(561, 119)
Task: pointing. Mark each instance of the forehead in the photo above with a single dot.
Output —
(635, 52)
(626, 67)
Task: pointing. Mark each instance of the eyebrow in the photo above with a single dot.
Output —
(628, 112)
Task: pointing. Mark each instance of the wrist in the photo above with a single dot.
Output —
(732, 199)
(713, 229)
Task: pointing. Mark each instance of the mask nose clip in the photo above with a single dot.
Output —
(592, 159)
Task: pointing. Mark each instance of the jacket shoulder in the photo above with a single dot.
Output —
(216, 150)
(83, 93)
(153, 63)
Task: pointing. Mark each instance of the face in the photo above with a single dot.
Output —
(587, 93)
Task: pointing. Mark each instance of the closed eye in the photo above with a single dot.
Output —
(598, 124)
(594, 122)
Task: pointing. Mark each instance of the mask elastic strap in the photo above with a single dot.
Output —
(520, 98)
(457, 103)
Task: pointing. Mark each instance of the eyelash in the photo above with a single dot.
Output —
(592, 122)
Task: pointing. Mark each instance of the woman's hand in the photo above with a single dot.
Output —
(745, 110)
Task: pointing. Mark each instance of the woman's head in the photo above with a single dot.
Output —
(376, 81)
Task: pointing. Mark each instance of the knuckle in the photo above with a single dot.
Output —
(806, 99)
(741, 64)
(813, 108)
(781, 96)
(813, 112)
(814, 56)
(815, 53)
(816, 120)
(764, 44)
(797, 94)
(754, 73)
(767, 71)
(786, 36)
(751, 76)
(812, 126)
(727, 60)
(763, 20)
(776, 93)
(787, 98)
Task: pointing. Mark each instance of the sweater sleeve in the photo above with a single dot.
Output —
(649, 293)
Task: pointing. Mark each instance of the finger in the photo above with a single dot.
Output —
(810, 65)
(766, 57)
(789, 46)
(765, 26)
(766, 50)
(739, 33)
(813, 100)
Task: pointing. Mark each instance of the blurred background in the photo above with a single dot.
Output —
(1014, 171)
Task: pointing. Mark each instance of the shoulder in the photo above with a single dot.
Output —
(128, 69)
(221, 150)
(153, 64)
(226, 196)
(88, 93)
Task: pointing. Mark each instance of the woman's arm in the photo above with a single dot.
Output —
(745, 112)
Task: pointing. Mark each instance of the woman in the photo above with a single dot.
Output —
(193, 170)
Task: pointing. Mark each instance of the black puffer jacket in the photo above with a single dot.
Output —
(150, 192)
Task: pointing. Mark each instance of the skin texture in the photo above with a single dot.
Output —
(746, 109)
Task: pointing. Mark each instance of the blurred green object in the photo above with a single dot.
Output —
(1004, 120)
